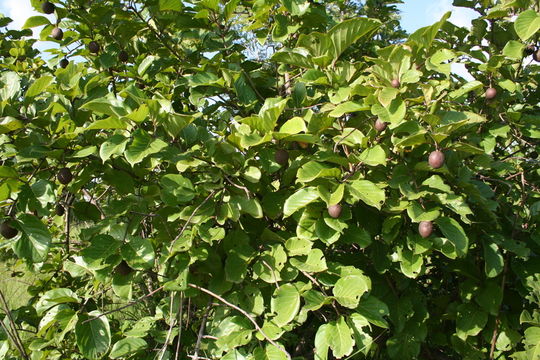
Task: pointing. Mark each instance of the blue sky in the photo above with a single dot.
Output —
(415, 13)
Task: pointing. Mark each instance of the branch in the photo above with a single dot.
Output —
(15, 336)
(243, 312)
(180, 313)
(189, 219)
(125, 306)
(201, 330)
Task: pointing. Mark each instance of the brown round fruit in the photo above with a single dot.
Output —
(93, 47)
(380, 125)
(123, 268)
(123, 56)
(425, 228)
(64, 176)
(536, 55)
(141, 86)
(59, 210)
(335, 211)
(47, 7)
(436, 159)
(491, 93)
(395, 83)
(57, 33)
(7, 230)
(63, 63)
(282, 157)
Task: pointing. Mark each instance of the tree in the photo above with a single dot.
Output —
(182, 191)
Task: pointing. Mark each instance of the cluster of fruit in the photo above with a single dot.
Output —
(58, 34)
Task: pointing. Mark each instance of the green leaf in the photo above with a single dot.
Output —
(453, 231)
(348, 107)
(349, 289)
(493, 260)
(368, 192)
(466, 88)
(513, 50)
(127, 347)
(54, 297)
(101, 246)
(8, 172)
(9, 123)
(313, 262)
(313, 170)
(340, 338)
(115, 145)
(293, 126)
(374, 310)
(34, 243)
(106, 105)
(142, 146)
(138, 252)
(93, 337)
(34, 21)
(109, 123)
(176, 189)
(373, 156)
(322, 341)
(165, 5)
(38, 87)
(348, 32)
(527, 24)
(300, 199)
(470, 320)
(292, 58)
(285, 304)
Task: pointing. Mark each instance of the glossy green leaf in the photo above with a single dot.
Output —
(300, 199)
(93, 336)
(285, 304)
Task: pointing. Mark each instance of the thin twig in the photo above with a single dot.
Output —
(243, 312)
(189, 219)
(180, 313)
(15, 336)
(236, 185)
(125, 306)
(171, 327)
(201, 330)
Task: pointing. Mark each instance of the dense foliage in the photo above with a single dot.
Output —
(250, 180)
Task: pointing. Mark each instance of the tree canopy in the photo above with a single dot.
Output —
(270, 179)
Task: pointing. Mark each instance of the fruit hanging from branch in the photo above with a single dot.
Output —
(436, 159)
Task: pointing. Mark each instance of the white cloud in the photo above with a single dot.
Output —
(460, 16)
